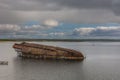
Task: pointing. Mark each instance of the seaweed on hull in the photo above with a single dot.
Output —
(32, 50)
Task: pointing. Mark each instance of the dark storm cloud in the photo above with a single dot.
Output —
(28, 5)
(113, 5)
(84, 3)
(76, 11)
(58, 4)
(54, 4)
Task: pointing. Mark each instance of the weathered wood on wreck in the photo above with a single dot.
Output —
(44, 51)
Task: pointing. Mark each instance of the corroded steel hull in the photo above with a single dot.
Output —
(32, 50)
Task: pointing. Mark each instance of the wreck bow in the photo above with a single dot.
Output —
(33, 50)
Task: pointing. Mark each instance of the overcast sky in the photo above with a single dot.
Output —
(77, 11)
(48, 14)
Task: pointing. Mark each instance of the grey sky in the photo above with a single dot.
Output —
(72, 11)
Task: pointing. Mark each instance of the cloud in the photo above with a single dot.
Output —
(33, 27)
(50, 23)
(14, 13)
(47, 24)
(83, 31)
(9, 28)
(75, 11)
(57, 34)
(27, 29)
(55, 4)
(41, 31)
(98, 31)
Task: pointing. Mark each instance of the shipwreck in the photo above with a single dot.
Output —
(32, 50)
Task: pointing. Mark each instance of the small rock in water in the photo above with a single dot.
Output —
(3, 62)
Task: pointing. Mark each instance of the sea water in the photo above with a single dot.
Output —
(102, 63)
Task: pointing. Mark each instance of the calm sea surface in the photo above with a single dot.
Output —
(102, 63)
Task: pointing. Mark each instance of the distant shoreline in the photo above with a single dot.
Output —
(65, 40)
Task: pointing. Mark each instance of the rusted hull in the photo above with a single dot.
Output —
(31, 50)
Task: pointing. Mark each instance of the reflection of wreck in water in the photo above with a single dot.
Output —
(31, 50)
